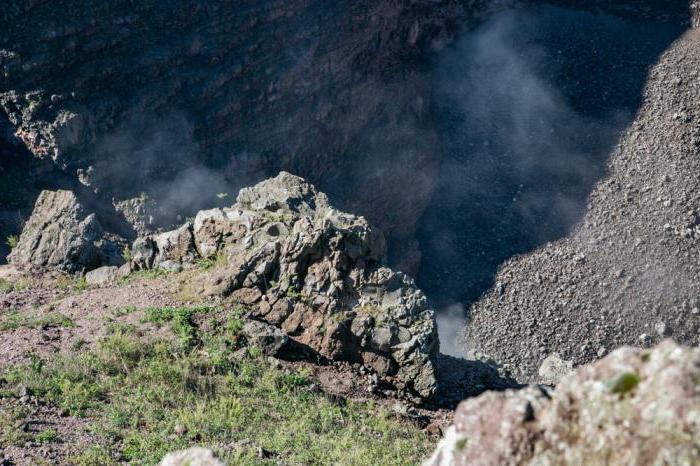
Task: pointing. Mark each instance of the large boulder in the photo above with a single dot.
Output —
(314, 272)
(634, 407)
(62, 235)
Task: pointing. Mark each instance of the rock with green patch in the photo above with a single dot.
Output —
(314, 272)
(634, 407)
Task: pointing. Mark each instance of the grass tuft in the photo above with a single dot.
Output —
(13, 320)
(12, 241)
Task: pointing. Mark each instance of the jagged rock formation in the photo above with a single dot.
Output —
(61, 235)
(314, 272)
(634, 407)
(629, 273)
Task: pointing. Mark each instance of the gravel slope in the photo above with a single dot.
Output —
(628, 274)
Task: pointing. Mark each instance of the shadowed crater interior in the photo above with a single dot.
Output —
(528, 105)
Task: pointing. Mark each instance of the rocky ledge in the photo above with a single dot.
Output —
(312, 271)
(634, 407)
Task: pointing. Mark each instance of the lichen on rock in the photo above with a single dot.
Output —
(634, 407)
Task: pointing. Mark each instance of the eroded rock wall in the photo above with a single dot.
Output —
(212, 96)
(634, 407)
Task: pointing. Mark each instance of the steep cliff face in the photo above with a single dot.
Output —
(186, 100)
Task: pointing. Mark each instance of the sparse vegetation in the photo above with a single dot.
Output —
(211, 262)
(147, 274)
(47, 436)
(67, 282)
(180, 319)
(12, 241)
(11, 432)
(22, 283)
(126, 254)
(13, 320)
(134, 391)
(5, 286)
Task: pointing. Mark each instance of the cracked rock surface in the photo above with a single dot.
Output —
(314, 272)
(62, 235)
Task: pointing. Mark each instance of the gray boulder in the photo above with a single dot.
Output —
(271, 340)
(62, 235)
(315, 273)
(101, 275)
(634, 407)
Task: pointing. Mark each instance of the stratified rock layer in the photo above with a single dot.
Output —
(314, 272)
(61, 235)
(629, 274)
(635, 407)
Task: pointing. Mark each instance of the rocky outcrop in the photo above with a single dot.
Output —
(61, 235)
(312, 271)
(628, 274)
(635, 407)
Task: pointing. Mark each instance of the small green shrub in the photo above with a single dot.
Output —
(12, 241)
(47, 436)
(126, 254)
(210, 262)
(180, 319)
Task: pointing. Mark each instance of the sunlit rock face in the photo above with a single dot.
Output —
(313, 271)
(634, 407)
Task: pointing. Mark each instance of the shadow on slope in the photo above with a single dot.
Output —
(529, 106)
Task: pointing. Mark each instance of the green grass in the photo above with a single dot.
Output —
(180, 320)
(67, 282)
(20, 284)
(211, 262)
(134, 391)
(147, 274)
(11, 432)
(47, 436)
(13, 320)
